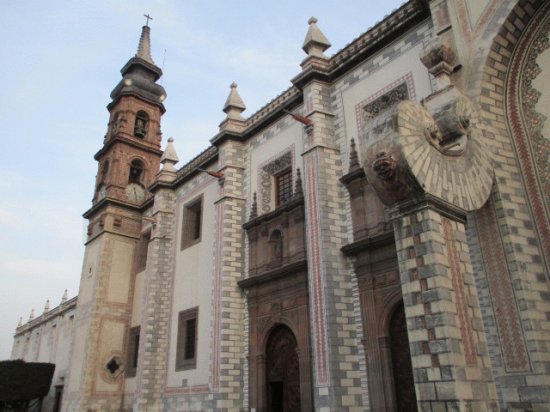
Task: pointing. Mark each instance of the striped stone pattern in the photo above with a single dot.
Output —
(336, 358)
(227, 377)
(517, 206)
(513, 346)
(153, 347)
(445, 368)
(465, 324)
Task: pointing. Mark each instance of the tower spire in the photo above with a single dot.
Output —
(144, 46)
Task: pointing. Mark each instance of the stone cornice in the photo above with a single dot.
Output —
(371, 242)
(285, 207)
(428, 201)
(46, 317)
(274, 274)
(145, 146)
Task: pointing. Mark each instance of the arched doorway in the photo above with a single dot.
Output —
(282, 371)
(401, 362)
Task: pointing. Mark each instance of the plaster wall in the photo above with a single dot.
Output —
(399, 63)
(48, 338)
(193, 281)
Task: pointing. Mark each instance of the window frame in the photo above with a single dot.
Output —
(286, 173)
(183, 362)
(191, 227)
(132, 358)
(142, 248)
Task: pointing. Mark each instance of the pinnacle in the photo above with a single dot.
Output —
(315, 42)
(169, 157)
(233, 101)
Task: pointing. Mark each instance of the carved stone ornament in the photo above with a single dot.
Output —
(435, 148)
(384, 166)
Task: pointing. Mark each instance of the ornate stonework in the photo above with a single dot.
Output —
(265, 177)
(527, 123)
(437, 148)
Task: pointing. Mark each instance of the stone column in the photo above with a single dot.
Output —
(448, 346)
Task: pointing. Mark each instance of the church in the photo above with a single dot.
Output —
(375, 238)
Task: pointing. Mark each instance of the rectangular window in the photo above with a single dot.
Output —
(141, 252)
(133, 351)
(283, 187)
(186, 348)
(192, 223)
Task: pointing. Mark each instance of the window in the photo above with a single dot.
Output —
(140, 127)
(141, 252)
(133, 350)
(186, 349)
(136, 171)
(192, 223)
(283, 187)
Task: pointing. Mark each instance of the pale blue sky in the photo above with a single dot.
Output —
(60, 61)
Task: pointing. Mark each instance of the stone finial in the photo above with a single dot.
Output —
(315, 42)
(47, 306)
(20, 323)
(65, 296)
(144, 46)
(298, 190)
(169, 157)
(31, 316)
(254, 207)
(234, 105)
(353, 157)
(439, 59)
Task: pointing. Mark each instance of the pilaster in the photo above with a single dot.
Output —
(153, 348)
(335, 363)
(228, 299)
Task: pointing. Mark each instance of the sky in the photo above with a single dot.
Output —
(61, 59)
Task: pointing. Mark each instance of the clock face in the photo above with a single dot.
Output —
(135, 193)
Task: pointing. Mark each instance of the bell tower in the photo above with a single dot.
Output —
(127, 165)
(130, 156)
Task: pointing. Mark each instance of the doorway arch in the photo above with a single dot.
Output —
(282, 366)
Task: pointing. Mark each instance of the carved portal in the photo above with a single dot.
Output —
(277, 293)
(282, 371)
(391, 385)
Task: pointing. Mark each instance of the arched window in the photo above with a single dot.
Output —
(136, 171)
(140, 127)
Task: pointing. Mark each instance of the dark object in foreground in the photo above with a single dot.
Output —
(23, 382)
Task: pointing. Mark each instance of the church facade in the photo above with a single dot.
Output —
(377, 237)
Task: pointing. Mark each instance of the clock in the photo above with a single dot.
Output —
(135, 193)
